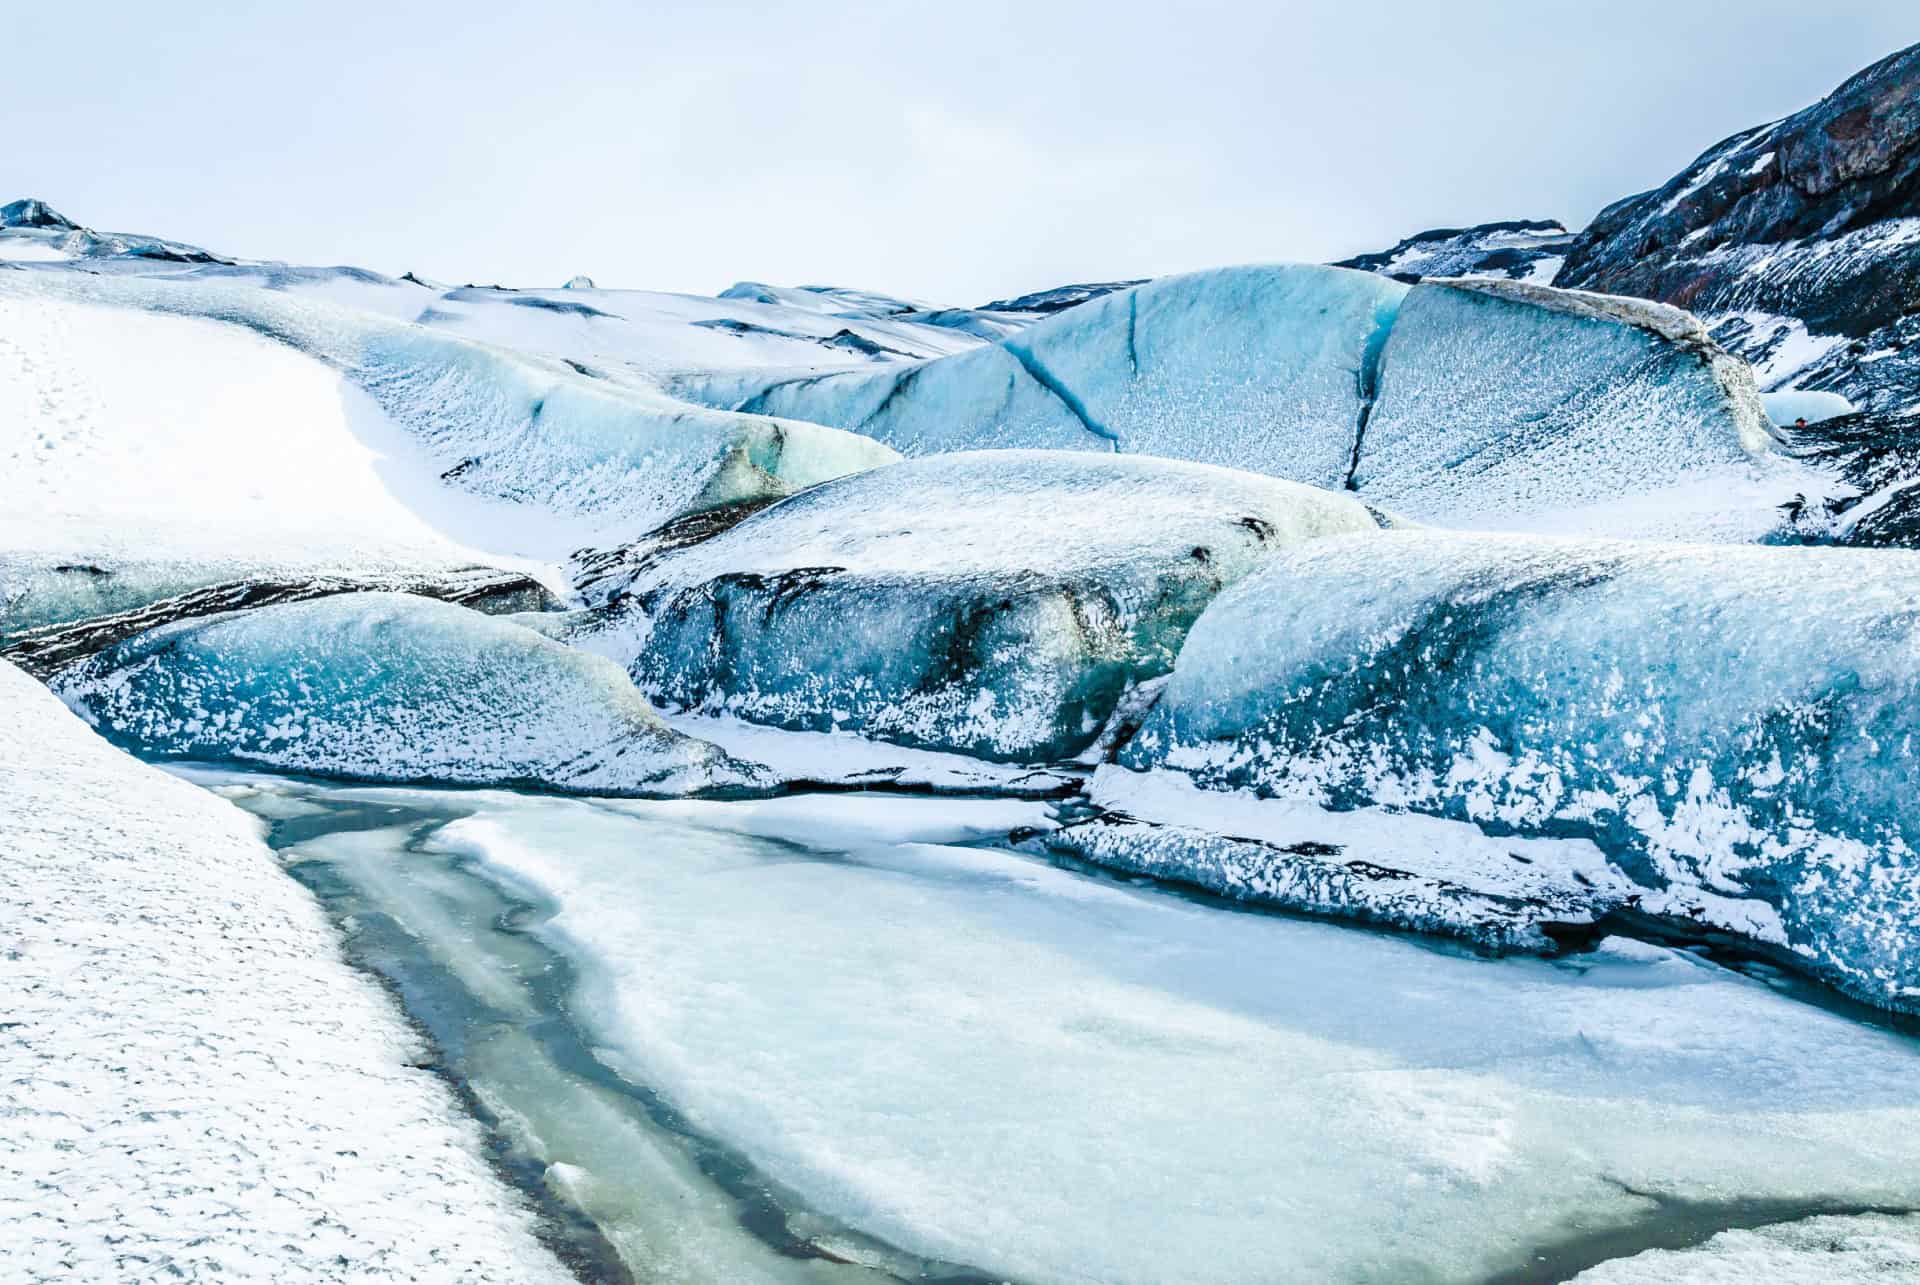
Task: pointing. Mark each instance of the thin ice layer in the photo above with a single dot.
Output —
(389, 687)
(990, 1060)
(995, 603)
(1733, 727)
(195, 1085)
(1511, 406)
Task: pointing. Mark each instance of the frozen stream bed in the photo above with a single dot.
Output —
(849, 1037)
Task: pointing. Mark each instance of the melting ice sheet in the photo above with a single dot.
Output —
(975, 1057)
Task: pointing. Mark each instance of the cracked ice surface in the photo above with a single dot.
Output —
(984, 1058)
(1733, 726)
(192, 1081)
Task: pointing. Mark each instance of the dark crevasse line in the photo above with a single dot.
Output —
(1372, 357)
(1038, 372)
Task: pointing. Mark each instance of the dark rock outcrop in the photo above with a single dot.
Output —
(1521, 249)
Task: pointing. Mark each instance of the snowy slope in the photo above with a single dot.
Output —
(192, 1082)
(159, 453)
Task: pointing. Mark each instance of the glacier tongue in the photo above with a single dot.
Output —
(388, 687)
(1262, 368)
(1733, 727)
(997, 603)
(1465, 403)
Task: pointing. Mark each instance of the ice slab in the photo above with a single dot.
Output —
(993, 603)
(390, 687)
(1513, 406)
(1732, 727)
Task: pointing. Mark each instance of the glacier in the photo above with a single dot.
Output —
(1462, 403)
(1511, 405)
(1261, 368)
(1732, 727)
(389, 687)
(997, 603)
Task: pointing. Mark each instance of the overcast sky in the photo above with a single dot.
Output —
(957, 152)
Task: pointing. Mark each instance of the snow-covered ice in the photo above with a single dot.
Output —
(1863, 1249)
(193, 1084)
(390, 687)
(997, 603)
(1516, 406)
(1733, 726)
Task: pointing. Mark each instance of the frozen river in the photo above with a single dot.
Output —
(856, 1037)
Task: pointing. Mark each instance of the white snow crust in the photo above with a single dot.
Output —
(193, 1084)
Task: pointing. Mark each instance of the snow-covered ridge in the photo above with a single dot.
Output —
(195, 1083)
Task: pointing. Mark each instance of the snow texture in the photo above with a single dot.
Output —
(1866, 1249)
(193, 1085)
(995, 603)
(565, 455)
(990, 1060)
(1733, 727)
(389, 687)
(1516, 406)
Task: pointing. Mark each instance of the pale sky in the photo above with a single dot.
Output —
(956, 152)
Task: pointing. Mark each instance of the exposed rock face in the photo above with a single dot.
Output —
(1517, 250)
(1047, 302)
(1801, 238)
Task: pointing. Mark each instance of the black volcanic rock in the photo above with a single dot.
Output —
(1814, 220)
(29, 213)
(1516, 250)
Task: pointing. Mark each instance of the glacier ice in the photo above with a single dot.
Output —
(389, 687)
(1261, 368)
(990, 1060)
(1468, 403)
(1504, 404)
(1733, 727)
(996, 603)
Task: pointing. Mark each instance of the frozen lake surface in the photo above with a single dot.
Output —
(848, 1036)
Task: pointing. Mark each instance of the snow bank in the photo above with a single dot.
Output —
(1733, 727)
(389, 687)
(196, 1085)
(995, 603)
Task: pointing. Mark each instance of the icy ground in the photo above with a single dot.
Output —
(193, 1084)
(982, 1058)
